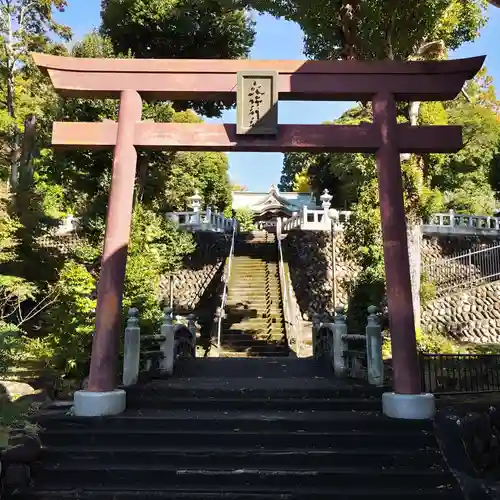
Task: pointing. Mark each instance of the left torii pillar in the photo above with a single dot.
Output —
(102, 396)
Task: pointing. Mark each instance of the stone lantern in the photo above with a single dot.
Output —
(326, 200)
(195, 201)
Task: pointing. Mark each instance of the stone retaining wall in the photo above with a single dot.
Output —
(309, 256)
(192, 283)
(471, 315)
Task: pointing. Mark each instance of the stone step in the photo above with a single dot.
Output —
(251, 354)
(253, 329)
(196, 457)
(123, 475)
(250, 328)
(245, 421)
(244, 493)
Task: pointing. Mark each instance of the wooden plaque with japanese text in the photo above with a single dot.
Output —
(257, 103)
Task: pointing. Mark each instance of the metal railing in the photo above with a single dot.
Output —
(226, 278)
(460, 373)
(467, 269)
(290, 327)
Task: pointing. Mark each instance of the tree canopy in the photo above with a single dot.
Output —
(197, 29)
(378, 29)
(51, 289)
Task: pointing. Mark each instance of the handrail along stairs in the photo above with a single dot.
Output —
(226, 284)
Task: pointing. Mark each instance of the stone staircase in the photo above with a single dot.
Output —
(243, 429)
(254, 324)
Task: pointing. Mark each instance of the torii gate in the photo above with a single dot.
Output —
(383, 83)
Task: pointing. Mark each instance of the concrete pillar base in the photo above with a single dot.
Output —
(409, 406)
(99, 404)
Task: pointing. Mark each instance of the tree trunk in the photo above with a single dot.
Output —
(142, 177)
(15, 152)
(414, 232)
(27, 151)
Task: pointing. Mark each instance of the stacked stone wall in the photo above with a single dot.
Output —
(199, 274)
(471, 314)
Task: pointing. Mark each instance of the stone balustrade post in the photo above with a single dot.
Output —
(131, 349)
(208, 215)
(374, 348)
(452, 217)
(192, 330)
(339, 329)
(168, 345)
(316, 325)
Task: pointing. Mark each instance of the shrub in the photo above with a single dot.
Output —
(70, 320)
(244, 217)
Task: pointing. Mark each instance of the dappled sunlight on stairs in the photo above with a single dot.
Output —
(254, 323)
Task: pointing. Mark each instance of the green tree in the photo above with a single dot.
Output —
(25, 25)
(198, 29)
(378, 29)
(244, 217)
(374, 30)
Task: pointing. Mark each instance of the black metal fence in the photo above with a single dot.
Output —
(460, 373)
(464, 270)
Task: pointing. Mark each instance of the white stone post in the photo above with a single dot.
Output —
(374, 348)
(304, 215)
(326, 202)
(131, 349)
(168, 346)
(452, 218)
(339, 329)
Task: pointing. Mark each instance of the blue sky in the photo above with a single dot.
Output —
(278, 39)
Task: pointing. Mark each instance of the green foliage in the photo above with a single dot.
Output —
(427, 342)
(363, 244)
(383, 30)
(70, 320)
(25, 26)
(244, 217)
(156, 248)
(10, 346)
(199, 29)
(435, 343)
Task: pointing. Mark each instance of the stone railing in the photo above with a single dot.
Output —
(158, 353)
(291, 329)
(452, 222)
(331, 341)
(316, 220)
(441, 223)
(201, 221)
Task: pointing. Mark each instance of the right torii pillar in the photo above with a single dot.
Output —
(406, 401)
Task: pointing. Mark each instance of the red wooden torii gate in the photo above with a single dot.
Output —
(383, 83)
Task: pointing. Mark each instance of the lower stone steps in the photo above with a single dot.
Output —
(250, 429)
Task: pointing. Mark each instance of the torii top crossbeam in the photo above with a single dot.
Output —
(190, 79)
(202, 79)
